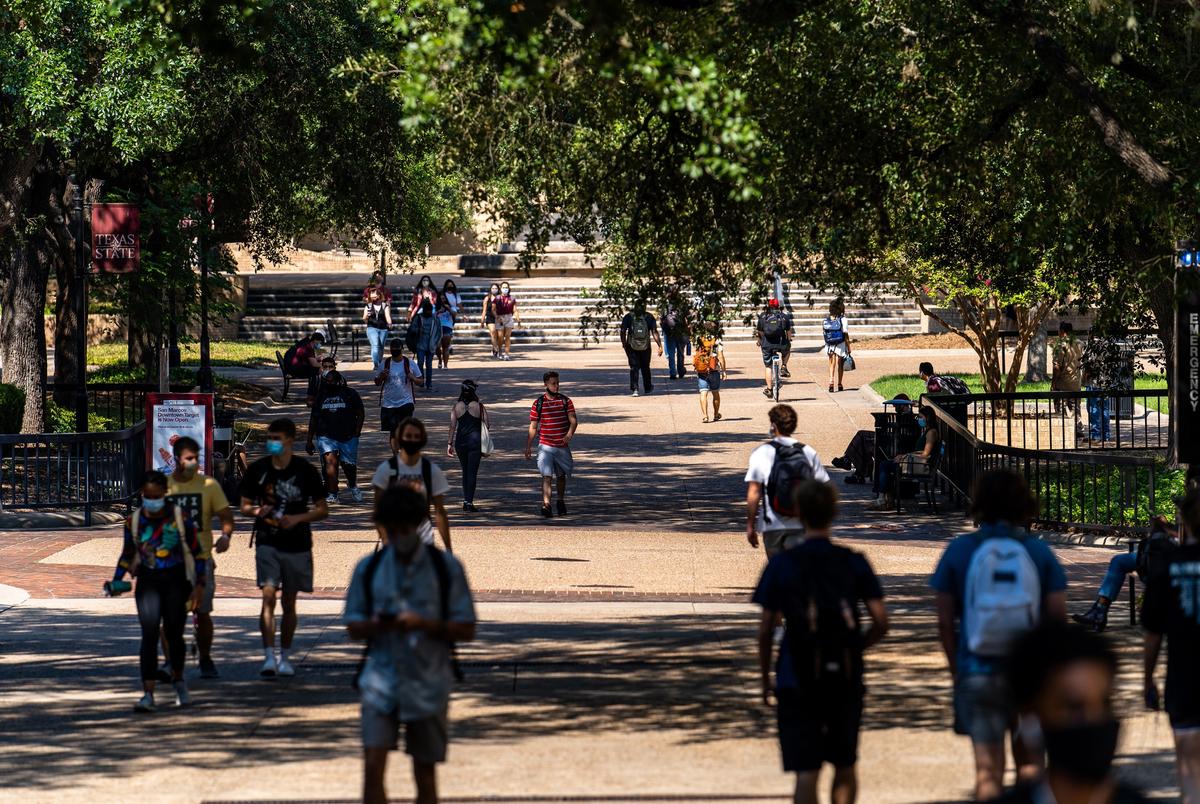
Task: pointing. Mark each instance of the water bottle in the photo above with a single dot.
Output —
(115, 588)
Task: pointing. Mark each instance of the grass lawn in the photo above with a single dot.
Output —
(891, 384)
(222, 353)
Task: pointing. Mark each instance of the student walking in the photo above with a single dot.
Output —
(377, 315)
(815, 589)
(675, 336)
(411, 603)
(201, 498)
(445, 317)
(277, 491)
(424, 292)
(837, 342)
(1097, 377)
(775, 469)
(996, 584)
(428, 340)
(488, 319)
(335, 425)
(395, 381)
(504, 309)
(162, 552)
(637, 330)
(408, 466)
(1067, 356)
(1064, 679)
(1170, 610)
(454, 302)
(552, 421)
(709, 363)
(468, 418)
(377, 280)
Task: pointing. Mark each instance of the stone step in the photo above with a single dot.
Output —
(286, 332)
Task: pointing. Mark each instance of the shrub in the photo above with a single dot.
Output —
(12, 408)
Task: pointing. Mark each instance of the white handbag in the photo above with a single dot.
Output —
(486, 445)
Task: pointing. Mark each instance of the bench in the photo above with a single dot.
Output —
(332, 342)
(287, 380)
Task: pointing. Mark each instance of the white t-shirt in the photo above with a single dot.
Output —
(452, 299)
(397, 390)
(385, 478)
(761, 461)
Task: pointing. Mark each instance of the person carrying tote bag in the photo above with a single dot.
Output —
(468, 429)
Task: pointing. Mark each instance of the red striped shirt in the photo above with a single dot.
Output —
(555, 420)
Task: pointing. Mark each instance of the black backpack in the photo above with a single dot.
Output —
(1154, 554)
(412, 335)
(954, 385)
(791, 468)
(773, 326)
(289, 357)
(820, 612)
(443, 577)
(538, 404)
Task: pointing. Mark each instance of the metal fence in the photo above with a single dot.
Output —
(1081, 487)
(1059, 420)
(71, 470)
(121, 405)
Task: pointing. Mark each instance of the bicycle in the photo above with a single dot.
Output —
(776, 374)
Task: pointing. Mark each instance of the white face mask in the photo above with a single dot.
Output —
(504, 291)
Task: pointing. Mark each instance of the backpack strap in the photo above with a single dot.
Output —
(443, 576)
(369, 592)
(427, 478)
(394, 466)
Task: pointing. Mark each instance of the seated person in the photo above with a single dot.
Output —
(859, 457)
(885, 481)
(1096, 618)
(301, 361)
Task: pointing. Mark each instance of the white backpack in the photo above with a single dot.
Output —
(1003, 596)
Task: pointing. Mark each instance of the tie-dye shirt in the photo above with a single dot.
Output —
(158, 544)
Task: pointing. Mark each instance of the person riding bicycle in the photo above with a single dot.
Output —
(773, 332)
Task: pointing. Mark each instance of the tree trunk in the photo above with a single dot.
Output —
(1161, 300)
(146, 320)
(22, 330)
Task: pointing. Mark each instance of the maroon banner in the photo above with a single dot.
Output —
(116, 242)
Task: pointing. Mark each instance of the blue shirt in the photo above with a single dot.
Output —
(780, 580)
(408, 673)
(950, 578)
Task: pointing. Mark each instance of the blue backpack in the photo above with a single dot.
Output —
(833, 332)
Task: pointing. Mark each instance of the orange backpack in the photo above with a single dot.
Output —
(705, 359)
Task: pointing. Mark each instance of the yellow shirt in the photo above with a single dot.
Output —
(202, 497)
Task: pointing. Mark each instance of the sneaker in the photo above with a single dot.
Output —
(331, 499)
(268, 668)
(671, 377)
(634, 392)
(767, 393)
(182, 696)
(1095, 619)
(356, 494)
(286, 669)
(841, 463)
(647, 392)
(145, 703)
(208, 669)
(783, 371)
(562, 508)
(546, 512)
(470, 507)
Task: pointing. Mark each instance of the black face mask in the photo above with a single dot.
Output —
(410, 447)
(1082, 752)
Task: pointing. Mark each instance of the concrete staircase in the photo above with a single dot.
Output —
(549, 313)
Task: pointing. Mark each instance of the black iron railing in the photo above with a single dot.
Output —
(117, 405)
(71, 470)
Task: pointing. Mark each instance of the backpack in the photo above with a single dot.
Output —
(189, 560)
(412, 335)
(639, 334)
(1154, 554)
(443, 578)
(822, 629)
(1003, 596)
(387, 366)
(426, 474)
(289, 357)
(954, 385)
(538, 404)
(791, 468)
(831, 328)
(705, 359)
(670, 320)
(772, 325)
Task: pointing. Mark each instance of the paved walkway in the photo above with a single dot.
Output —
(616, 654)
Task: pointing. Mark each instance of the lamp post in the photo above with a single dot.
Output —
(204, 377)
(81, 267)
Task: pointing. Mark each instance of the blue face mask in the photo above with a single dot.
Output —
(274, 447)
(921, 421)
(153, 506)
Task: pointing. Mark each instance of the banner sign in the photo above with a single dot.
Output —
(116, 241)
(1185, 407)
(169, 417)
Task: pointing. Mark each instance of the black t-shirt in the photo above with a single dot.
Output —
(1172, 607)
(337, 412)
(283, 491)
(1028, 794)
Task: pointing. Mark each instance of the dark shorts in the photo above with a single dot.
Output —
(292, 572)
(819, 724)
(710, 381)
(983, 708)
(769, 351)
(424, 740)
(390, 417)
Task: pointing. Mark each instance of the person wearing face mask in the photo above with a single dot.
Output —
(424, 292)
(334, 427)
(202, 498)
(504, 307)
(278, 491)
(162, 552)
(411, 603)
(1063, 680)
(488, 320)
(885, 479)
(409, 467)
(1015, 584)
(429, 339)
(395, 381)
(1170, 610)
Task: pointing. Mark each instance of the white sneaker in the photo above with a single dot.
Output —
(331, 499)
(182, 696)
(285, 668)
(145, 703)
(356, 494)
(635, 393)
(268, 668)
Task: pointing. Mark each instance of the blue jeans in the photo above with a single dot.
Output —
(377, 338)
(675, 351)
(425, 362)
(1120, 567)
(885, 481)
(1097, 410)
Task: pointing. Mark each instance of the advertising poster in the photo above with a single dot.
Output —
(172, 416)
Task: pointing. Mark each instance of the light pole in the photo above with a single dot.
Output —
(1185, 406)
(204, 377)
(81, 400)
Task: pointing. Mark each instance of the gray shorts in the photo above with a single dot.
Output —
(290, 571)
(776, 541)
(983, 708)
(210, 589)
(424, 740)
(554, 461)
